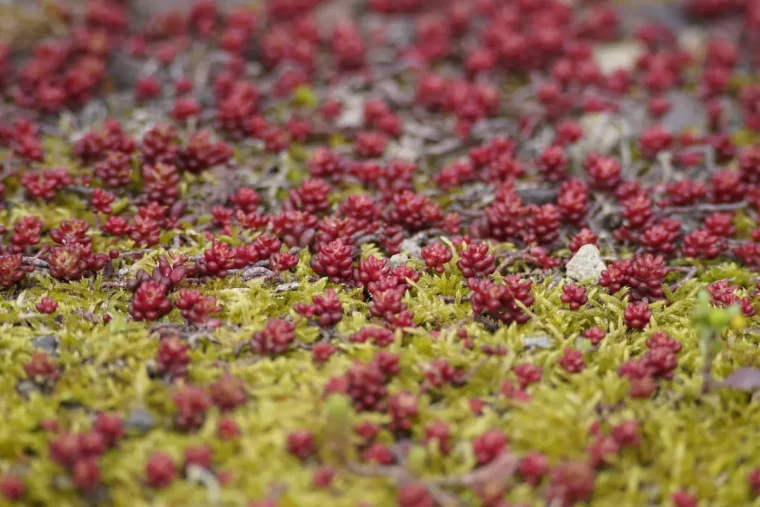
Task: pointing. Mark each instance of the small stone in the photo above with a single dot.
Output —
(332, 13)
(256, 272)
(407, 148)
(287, 287)
(693, 39)
(684, 113)
(353, 112)
(140, 419)
(538, 195)
(743, 379)
(398, 260)
(618, 55)
(411, 247)
(26, 387)
(600, 134)
(537, 342)
(586, 264)
(47, 343)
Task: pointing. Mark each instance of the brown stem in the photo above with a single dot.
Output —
(683, 269)
(246, 345)
(452, 299)
(500, 469)
(37, 263)
(706, 207)
(510, 258)
(707, 380)
(688, 276)
(134, 253)
(474, 370)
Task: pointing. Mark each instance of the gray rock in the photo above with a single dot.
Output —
(537, 342)
(586, 264)
(124, 70)
(538, 195)
(743, 379)
(26, 387)
(330, 14)
(352, 115)
(411, 247)
(256, 272)
(693, 39)
(47, 343)
(140, 419)
(600, 132)
(286, 287)
(398, 260)
(617, 55)
(685, 112)
(407, 148)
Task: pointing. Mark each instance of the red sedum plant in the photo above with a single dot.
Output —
(409, 253)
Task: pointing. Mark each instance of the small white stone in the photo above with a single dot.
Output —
(412, 248)
(693, 40)
(586, 264)
(537, 342)
(617, 55)
(398, 260)
(599, 132)
(352, 115)
(407, 148)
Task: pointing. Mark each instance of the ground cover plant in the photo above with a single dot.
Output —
(384, 252)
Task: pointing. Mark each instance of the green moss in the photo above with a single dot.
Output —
(687, 435)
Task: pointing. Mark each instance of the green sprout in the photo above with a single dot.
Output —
(710, 323)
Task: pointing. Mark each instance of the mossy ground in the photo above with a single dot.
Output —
(706, 443)
(702, 442)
